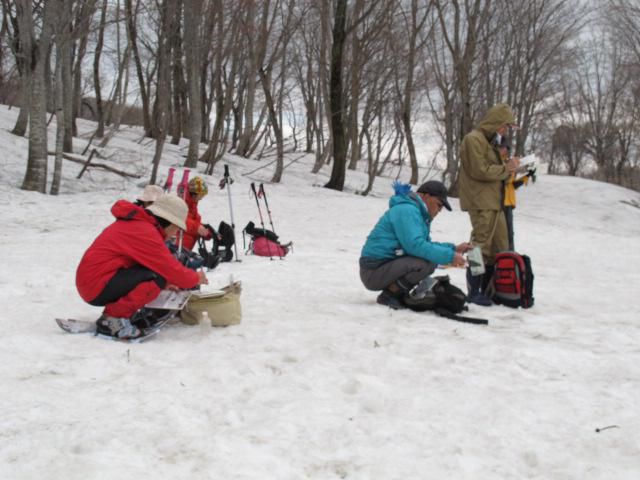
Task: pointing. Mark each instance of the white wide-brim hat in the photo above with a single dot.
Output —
(150, 193)
(172, 208)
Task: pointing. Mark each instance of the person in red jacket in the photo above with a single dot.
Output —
(195, 229)
(128, 264)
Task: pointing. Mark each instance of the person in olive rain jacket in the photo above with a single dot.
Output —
(482, 173)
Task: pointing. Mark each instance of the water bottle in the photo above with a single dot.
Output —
(205, 324)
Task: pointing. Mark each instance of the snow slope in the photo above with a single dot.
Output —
(318, 381)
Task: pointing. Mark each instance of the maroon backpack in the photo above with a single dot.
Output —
(513, 280)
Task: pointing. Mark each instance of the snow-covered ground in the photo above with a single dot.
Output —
(318, 381)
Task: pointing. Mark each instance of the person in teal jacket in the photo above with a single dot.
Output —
(399, 256)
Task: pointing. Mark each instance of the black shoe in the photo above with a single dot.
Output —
(390, 300)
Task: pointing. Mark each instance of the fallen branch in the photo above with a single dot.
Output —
(86, 164)
(83, 161)
(632, 202)
(272, 162)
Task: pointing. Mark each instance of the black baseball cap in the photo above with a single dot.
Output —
(436, 189)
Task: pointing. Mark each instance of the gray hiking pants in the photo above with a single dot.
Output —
(406, 271)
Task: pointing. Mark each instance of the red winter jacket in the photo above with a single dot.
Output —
(135, 238)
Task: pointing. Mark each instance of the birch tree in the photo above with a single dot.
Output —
(36, 47)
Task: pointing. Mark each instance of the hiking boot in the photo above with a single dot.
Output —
(388, 298)
(475, 295)
(120, 328)
(487, 279)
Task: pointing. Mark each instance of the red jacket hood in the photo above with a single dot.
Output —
(125, 210)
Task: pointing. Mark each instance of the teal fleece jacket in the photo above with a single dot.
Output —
(404, 229)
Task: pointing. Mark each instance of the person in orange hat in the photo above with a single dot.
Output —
(195, 229)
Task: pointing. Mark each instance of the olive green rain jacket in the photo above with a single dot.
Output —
(481, 169)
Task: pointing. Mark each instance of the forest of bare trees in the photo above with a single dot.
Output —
(352, 82)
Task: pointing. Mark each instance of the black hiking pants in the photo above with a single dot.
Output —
(125, 280)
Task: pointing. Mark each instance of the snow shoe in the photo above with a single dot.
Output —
(147, 318)
(118, 328)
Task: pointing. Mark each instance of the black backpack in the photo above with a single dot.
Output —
(256, 232)
(220, 251)
(448, 302)
(513, 280)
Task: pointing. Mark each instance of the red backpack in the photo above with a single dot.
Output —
(264, 247)
(513, 280)
(265, 243)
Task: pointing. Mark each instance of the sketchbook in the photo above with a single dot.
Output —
(208, 294)
(170, 300)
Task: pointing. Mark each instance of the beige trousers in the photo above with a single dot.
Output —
(489, 232)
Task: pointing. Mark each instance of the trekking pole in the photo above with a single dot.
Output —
(169, 181)
(183, 186)
(262, 193)
(227, 180)
(264, 230)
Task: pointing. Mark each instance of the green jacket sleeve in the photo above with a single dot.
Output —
(479, 164)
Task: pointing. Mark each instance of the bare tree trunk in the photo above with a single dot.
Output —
(62, 41)
(255, 57)
(168, 12)
(336, 88)
(96, 71)
(223, 96)
(211, 155)
(179, 88)
(354, 96)
(323, 149)
(83, 22)
(118, 100)
(133, 40)
(414, 25)
(193, 48)
(23, 38)
(67, 73)
(275, 124)
(36, 174)
(20, 127)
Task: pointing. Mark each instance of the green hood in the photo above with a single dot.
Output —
(497, 116)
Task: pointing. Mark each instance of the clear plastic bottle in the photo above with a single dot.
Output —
(205, 324)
